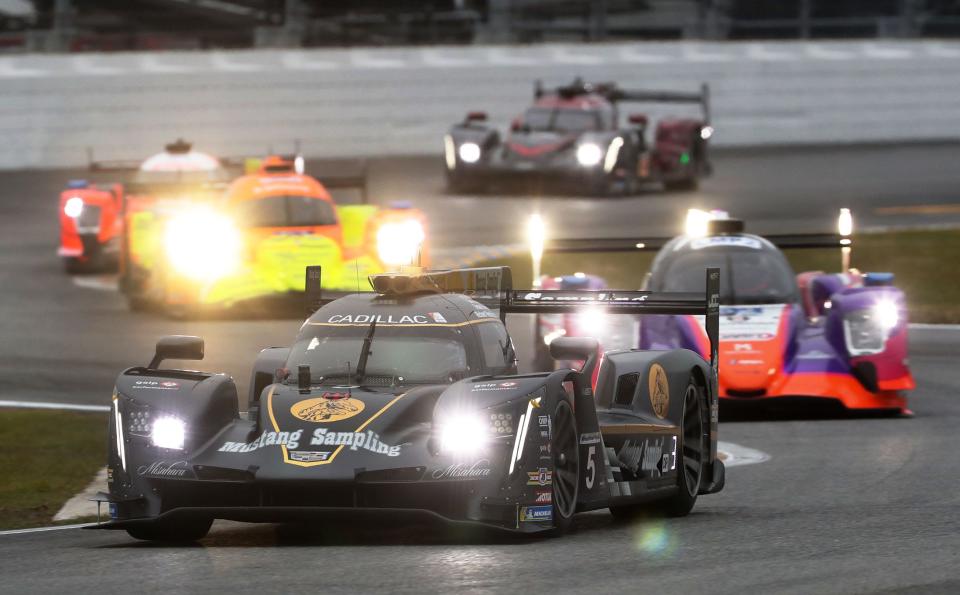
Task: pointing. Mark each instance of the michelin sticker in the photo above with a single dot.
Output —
(536, 513)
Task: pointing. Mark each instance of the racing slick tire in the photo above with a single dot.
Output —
(72, 266)
(566, 467)
(691, 453)
(172, 530)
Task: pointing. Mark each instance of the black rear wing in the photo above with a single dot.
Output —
(493, 288)
(560, 301)
(612, 92)
(783, 241)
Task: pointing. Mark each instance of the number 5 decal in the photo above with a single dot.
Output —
(591, 467)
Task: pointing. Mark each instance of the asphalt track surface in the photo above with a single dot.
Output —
(843, 505)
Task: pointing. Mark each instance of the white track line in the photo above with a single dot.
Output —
(58, 406)
(735, 455)
(44, 529)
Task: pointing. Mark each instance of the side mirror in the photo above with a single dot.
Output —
(177, 347)
(640, 120)
(577, 348)
(476, 116)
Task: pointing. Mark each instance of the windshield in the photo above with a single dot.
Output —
(396, 356)
(561, 120)
(286, 211)
(747, 276)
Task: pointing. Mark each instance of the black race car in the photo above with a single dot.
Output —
(574, 137)
(407, 398)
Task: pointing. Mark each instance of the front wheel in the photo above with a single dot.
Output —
(172, 530)
(566, 466)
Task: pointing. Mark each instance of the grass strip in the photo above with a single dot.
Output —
(46, 457)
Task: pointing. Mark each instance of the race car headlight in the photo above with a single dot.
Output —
(73, 207)
(168, 432)
(706, 132)
(202, 245)
(464, 434)
(469, 152)
(589, 154)
(866, 331)
(398, 243)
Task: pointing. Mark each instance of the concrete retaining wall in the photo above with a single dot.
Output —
(361, 102)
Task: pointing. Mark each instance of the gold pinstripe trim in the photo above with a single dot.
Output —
(286, 452)
(621, 429)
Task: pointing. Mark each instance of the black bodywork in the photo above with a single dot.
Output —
(323, 435)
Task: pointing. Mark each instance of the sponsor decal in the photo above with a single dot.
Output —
(484, 313)
(477, 470)
(309, 456)
(601, 298)
(544, 497)
(437, 317)
(156, 385)
(536, 513)
(546, 428)
(493, 386)
(750, 323)
(709, 242)
(314, 343)
(741, 347)
(327, 409)
(380, 318)
(163, 469)
(109, 474)
(368, 440)
(649, 455)
(289, 439)
(590, 438)
(545, 450)
(659, 390)
(541, 477)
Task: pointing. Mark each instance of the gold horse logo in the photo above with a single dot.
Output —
(326, 410)
(659, 390)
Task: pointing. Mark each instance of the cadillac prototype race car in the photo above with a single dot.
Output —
(255, 239)
(407, 399)
(841, 337)
(574, 136)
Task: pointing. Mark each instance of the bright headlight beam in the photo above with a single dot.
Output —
(73, 207)
(202, 244)
(589, 154)
(706, 132)
(886, 314)
(168, 432)
(469, 152)
(118, 422)
(845, 223)
(463, 434)
(697, 223)
(398, 243)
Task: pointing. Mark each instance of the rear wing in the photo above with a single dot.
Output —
(535, 301)
(613, 93)
(493, 288)
(782, 241)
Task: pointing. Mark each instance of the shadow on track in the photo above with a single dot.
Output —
(797, 409)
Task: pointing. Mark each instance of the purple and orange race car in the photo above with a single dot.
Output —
(841, 337)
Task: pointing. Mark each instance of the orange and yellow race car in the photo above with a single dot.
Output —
(94, 219)
(255, 239)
